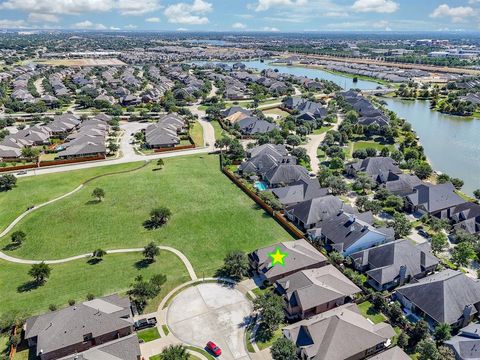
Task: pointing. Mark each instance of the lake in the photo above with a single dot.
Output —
(451, 143)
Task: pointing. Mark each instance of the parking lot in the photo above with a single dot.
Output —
(211, 312)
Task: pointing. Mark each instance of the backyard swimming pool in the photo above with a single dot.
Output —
(260, 185)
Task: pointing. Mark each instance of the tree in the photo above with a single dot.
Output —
(423, 170)
(40, 272)
(150, 251)
(476, 193)
(439, 242)
(457, 183)
(401, 225)
(283, 349)
(394, 202)
(293, 140)
(235, 265)
(142, 290)
(160, 163)
(158, 218)
(445, 353)
(427, 350)
(420, 331)
(18, 237)
(98, 193)
(336, 257)
(363, 182)
(175, 352)
(270, 308)
(402, 340)
(443, 332)
(7, 182)
(463, 253)
(113, 147)
(99, 254)
(336, 185)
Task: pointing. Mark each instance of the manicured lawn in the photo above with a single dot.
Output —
(201, 351)
(359, 145)
(74, 280)
(165, 330)
(210, 216)
(322, 130)
(196, 134)
(367, 310)
(265, 344)
(277, 112)
(148, 334)
(34, 190)
(219, 132)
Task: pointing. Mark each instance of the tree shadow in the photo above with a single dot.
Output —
(157, 169)
(94, 261)
(264, 334)
(93, 202)
(11, 247)
(150, 225)
(143, 264)
(29, 286)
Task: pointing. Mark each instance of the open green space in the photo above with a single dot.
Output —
(76, 279)
(148, 334)
(322, 129)
(367, 310)
(34, 190)
(210, 215)
(219, 132)
(277, 112)
(196, 133)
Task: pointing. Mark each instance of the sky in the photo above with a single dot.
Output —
(243, 15)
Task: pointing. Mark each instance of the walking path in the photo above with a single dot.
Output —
(314, 142)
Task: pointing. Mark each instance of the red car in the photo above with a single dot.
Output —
(214, 348)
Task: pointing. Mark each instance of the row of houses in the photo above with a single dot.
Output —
(246, 122)
(367, 113)
(166, 132)
(76, 138)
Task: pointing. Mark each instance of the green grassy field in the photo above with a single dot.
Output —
(367, 310)
(34, 190)
(75, 280)
(196, 134)
(359, 145)
(322, 130)
(211, 216)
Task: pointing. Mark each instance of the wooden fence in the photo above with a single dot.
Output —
(51, 163)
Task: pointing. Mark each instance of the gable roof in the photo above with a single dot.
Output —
(394, 353)
(62, 328)
(324, 337)
(317, 209)
(384, 261)
(435, 197)
(314, 287)
(286, 174)
(376, 167)
(299, 191)
(301, 255)
(444, 295)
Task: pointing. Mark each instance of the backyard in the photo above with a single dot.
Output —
(198, 194)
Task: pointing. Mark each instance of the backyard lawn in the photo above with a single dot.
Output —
(210, 216)
(367, 310)
(149, 334)
(75, 280)
(322, 130)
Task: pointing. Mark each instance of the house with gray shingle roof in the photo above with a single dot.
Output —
(311, 292)
(378, 168)
(466, 344)
(395, 263)
(348, 233)
(301, 256)
(466, 217)
(339, 334)
(394, 353)
(80, 327)
(299, 191)
(446, 297)
(285, 174)
(436, 200)
(309, 214)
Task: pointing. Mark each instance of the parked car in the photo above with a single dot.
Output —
(145, 323)
(423, 233)
(22, 172)
(214, 348)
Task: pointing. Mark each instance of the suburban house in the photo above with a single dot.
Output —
(466, 217)
(400, 184)
(395, 263)
(301, 256)
(62, 125)
(338, 334)
(165, 133)
(394, 353)
(90, 325)
(275, 150)
(311, 213)
(348, 233)
(436, 200)
(264, 158)
(378, 168)
(311, 292)
(466, 344)
(285, 174)
(252, 125)
(299, 191)
(446, 297)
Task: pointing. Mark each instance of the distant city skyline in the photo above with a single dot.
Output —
(242, 15)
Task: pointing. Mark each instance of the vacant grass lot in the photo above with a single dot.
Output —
(34, 190)
(196, 134)
(75, 280)
(211, 216)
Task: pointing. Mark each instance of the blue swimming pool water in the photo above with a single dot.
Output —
(260, 185)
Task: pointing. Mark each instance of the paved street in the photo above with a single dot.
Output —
(211, 312)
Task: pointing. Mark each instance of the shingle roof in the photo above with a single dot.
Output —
(394, 353)
(286, 174)
(299, 191)
(435, 197)
(444, 295)
(317, 209)
(337, 334)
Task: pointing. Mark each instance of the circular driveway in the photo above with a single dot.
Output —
(211, 312)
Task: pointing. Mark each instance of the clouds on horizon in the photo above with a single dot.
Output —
(242, 15)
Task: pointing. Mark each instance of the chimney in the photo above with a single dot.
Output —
(423, 260)
(403, 274)
(467, 314)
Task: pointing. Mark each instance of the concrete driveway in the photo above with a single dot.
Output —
(211, 312)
